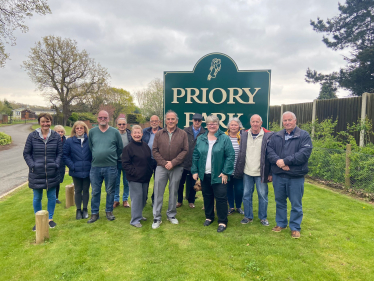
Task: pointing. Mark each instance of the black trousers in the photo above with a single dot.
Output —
(190, 191)
(216, 191)
(82, 192)
(57, 190)
(154, 166)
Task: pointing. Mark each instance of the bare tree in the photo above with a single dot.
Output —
(12, 17)
(151, 99)
(63, 73)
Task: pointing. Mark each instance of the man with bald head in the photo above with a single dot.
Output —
(254, 168)
(106, 147)
(288, 152)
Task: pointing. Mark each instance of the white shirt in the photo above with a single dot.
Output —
(208, 165)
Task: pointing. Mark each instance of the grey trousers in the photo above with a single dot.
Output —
(162, 176)
(138, 193)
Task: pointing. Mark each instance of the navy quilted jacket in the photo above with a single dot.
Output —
(43, 160)
(62, 163)
(78, 157)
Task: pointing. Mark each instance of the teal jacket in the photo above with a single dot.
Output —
(223, 156)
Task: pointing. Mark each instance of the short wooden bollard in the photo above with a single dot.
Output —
(42, 226)
(69, 195)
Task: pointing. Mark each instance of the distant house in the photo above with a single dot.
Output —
(41, 110)
(17, 113)
(28, 114)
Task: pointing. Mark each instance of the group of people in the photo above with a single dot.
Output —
(229, 165)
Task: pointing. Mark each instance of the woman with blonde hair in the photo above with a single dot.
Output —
(61, 131)
(77, 156)
(137, 163)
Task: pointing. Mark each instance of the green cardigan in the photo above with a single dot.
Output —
(223, 156)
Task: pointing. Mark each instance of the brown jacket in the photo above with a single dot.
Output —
(165, 150)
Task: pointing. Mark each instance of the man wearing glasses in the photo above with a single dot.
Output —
(126, 138)
(170, 146)
(148, 137)
(106, 147)
(193, 132)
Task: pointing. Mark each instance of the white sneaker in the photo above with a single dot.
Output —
(156, 224)
(173, 220)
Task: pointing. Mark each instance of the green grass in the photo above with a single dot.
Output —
(18, 122)
(67, 129)
(337, 243)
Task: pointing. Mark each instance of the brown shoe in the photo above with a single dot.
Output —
(278, 228)
(179, 205)
(295, 234)
(116, 204)
(126, 204)
(192, 205)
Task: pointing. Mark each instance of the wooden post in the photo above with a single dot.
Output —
(347, 177)
(363, 117)
(69, 195)
(42, 226)
(314, 112)
(280, 119)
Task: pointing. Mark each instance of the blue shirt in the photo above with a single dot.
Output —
(150, 142)
(195, 132)
(288, 136)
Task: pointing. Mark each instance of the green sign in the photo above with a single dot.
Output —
(216, 86)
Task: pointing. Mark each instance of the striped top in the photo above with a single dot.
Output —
(235, 145)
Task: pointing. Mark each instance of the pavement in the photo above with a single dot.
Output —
(13, 168)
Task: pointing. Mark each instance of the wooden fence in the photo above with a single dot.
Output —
(346, 110)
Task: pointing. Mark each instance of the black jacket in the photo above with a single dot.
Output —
(43, 160)
(264, 162)
(61, 170)
(137, 162)
(295, 153)
(187, 162)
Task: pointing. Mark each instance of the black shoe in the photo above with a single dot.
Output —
(94, 217)
(79, 214)
(221, 228)
(58, 201)
(207, 222)
(52, 224)
(109, 216)
(34, 228)
(85, 214)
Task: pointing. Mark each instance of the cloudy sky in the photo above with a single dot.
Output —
(137, 40)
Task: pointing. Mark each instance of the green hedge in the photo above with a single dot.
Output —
(5, 139)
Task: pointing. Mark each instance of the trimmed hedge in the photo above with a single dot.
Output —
(5, 139)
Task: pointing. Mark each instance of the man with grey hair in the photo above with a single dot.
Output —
(254, 168)
(106, 147)
(126, 139)
(288, 153)
(170, 146)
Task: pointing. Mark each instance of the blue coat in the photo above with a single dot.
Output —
(78, 157)
(43, 160)
(147, 133)
(295, 153)
(62, 163)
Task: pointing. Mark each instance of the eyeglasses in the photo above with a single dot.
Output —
(197, 120)
(212, 124)
(121, 124)
(153, 121)
(102, 118)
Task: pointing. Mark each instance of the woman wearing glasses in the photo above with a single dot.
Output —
(213, 162)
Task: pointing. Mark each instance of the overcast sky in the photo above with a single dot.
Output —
(138, 40)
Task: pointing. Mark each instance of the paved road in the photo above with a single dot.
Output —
(13, 168)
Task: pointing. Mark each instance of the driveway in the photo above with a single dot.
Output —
(13, 168)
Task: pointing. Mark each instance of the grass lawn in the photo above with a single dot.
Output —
(18, 122)
(337, 243)
(67, 129)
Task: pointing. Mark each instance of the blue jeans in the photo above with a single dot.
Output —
(97, 176)
(37, 201)
(293, 188)
(235, 192)
(126, 189)
(262, 192)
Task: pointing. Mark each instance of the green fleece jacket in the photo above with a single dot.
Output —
(223, 156)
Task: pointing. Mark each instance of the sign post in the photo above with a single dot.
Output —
(216, 86)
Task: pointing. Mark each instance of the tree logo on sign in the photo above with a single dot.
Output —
(214, 68)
